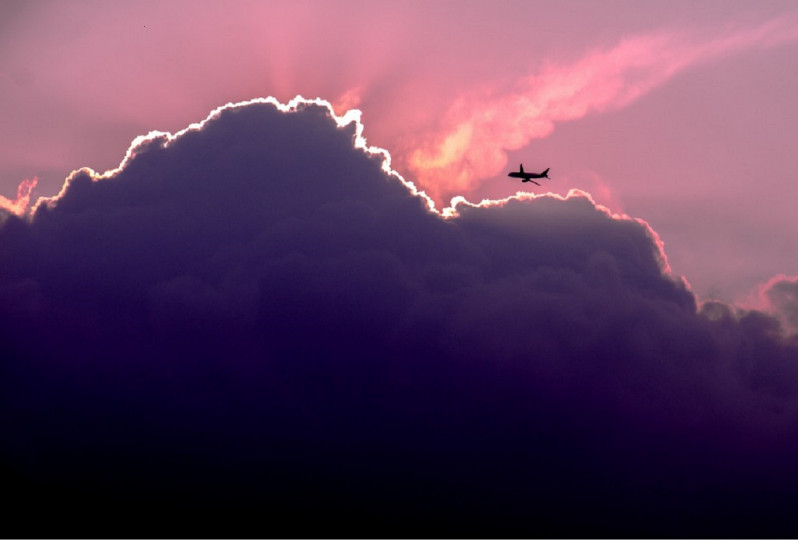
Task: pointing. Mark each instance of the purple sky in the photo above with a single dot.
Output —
(680, 113)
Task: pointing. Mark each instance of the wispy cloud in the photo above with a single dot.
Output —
(19, 206)
(472, 142)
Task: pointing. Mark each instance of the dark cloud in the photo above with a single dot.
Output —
(253, 328)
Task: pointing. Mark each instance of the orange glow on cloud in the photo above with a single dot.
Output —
(348, 100)
(479, 129)
(19, 206)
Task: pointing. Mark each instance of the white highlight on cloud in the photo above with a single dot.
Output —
(452, 211)
(351, 116)
(472, 142)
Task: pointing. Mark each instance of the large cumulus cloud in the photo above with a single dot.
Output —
(253, 326)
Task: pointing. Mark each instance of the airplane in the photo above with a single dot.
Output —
(527, 176)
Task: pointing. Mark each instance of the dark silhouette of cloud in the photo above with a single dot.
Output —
(254, 328)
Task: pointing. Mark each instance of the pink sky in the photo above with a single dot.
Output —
(679, 113)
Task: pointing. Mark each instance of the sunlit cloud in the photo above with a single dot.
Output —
(472, 142)
(348, 116)
(19, 206)
(461, 202)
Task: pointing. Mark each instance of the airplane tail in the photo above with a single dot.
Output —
(545, 173)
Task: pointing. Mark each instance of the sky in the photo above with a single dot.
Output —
(223, 304)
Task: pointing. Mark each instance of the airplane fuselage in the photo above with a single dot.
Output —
(526, 176)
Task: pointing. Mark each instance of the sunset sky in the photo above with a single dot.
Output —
(680, 113)
(228, 310)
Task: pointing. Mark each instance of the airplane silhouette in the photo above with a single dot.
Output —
(528, 176)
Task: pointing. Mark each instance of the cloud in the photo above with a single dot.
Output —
(256, 324)
(19, 206)
(472, 142)
(348, 100)
(779, 296)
